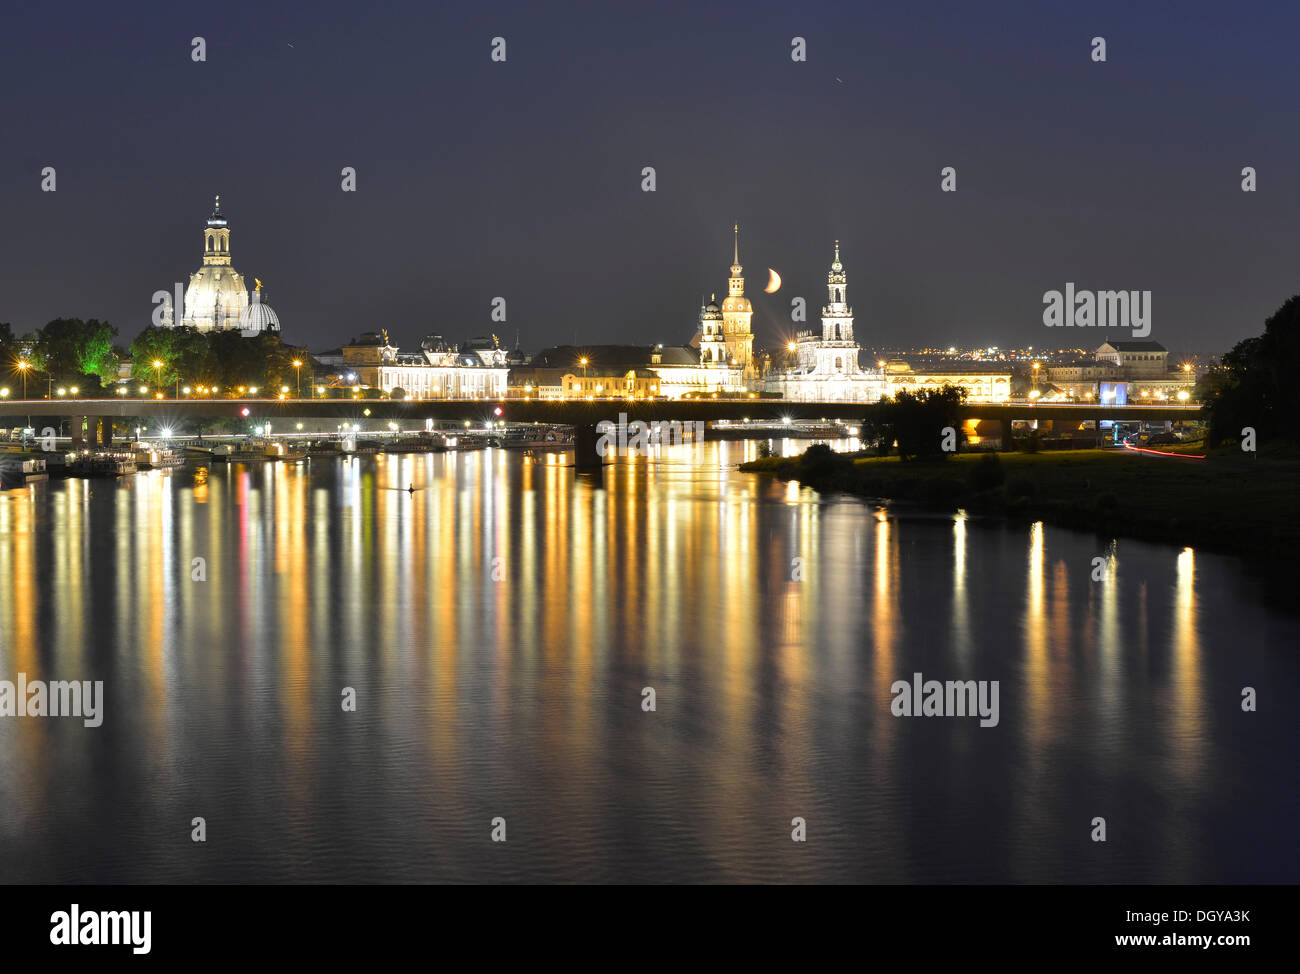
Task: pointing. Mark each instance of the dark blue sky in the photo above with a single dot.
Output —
(478, 179)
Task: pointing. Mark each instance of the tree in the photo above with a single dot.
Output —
(917, 421)
(76, 349)
(157, 345)
(1255, 386)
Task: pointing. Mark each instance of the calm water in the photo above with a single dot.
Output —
(521, 698)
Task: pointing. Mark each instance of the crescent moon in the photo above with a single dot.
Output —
(773, 282)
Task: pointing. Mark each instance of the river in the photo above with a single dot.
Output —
(497, 634)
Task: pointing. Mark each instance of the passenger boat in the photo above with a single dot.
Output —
(102, 465)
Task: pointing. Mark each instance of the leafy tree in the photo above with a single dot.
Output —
(76, 349)
(917, 420)
(1255, 386)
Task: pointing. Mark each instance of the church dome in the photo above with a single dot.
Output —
(737, 304)
(712, 312)
(257, 318)
(216, 298)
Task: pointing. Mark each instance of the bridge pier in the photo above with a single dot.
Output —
(75, 426)
(1006, 442)
(105, 432)
(586, 452)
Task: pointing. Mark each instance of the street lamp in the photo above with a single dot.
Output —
(157, 372)
(23, 367)
(298, 366)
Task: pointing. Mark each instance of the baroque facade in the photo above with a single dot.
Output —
(437, 371)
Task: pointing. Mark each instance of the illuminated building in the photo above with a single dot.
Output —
(726, 339)
(437, 371)
(216, 298)
(827, 366)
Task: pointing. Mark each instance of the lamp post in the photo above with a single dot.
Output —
(23, 367)
(297, 364)
(157, 372)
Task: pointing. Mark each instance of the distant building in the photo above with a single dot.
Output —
(984, 383)
(1136, 360)
(437, 371)
(1121, 371)
(593, 371)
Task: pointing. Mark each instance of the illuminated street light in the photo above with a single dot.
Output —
(23, 367)
(298, 365)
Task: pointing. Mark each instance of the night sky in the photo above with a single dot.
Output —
(523, 179)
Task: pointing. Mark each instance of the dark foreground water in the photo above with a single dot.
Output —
(521, 698)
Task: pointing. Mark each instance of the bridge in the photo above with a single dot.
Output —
(583, 415)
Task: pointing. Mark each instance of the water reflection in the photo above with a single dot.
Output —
(499, 626)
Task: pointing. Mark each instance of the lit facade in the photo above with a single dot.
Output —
(437, 371)
(1135, 371)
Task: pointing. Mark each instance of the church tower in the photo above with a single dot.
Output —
(216, 238)
(216, 299)
(838, 352)
(713, 344)
(736, 315)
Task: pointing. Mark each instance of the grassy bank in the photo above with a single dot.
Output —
(1231, 502)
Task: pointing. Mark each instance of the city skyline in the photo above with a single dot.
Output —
(847, 145)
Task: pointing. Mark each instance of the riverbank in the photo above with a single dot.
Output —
(1231, 502)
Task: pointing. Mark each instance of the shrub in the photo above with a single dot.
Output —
(1021, 488)
(987, 473)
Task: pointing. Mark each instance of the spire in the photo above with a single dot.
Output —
(837, 268)
(736, 259)
(217, 219)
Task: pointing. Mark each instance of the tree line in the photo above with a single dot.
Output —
(83, 353)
